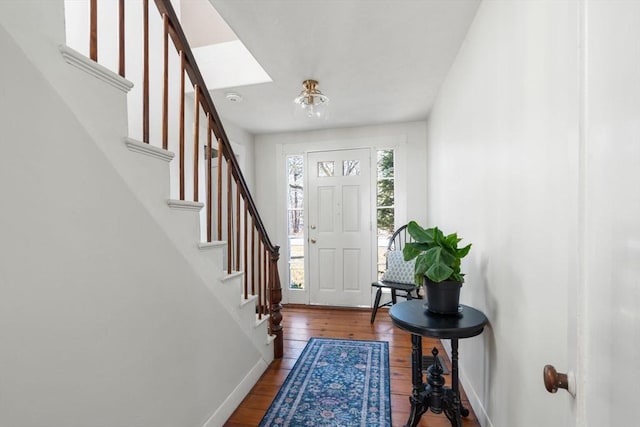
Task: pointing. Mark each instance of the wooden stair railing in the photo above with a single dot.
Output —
(249, 248)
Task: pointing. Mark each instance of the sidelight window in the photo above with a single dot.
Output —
(295, 220)
(385, 203)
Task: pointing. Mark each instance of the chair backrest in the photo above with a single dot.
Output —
(398, 239)
(397, 269)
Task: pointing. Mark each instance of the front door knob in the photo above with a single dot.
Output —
(313, 240)
(553, 380)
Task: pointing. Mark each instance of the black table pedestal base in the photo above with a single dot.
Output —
(433, 395)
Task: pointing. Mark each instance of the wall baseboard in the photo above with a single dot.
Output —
(474, 399)
(222, 414)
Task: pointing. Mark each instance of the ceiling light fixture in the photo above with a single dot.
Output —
(311, 103)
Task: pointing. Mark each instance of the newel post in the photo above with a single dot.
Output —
(275, 296)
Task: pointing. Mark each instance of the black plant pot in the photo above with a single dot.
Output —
(443, 297)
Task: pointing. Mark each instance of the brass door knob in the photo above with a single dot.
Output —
(313, 240)
(553, 380)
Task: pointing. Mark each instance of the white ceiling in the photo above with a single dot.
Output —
(379, 61)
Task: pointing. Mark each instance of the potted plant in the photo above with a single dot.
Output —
(437, 266)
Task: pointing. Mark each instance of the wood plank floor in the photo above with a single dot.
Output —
(303, 322)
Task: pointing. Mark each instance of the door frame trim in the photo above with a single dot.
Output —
(396, 142)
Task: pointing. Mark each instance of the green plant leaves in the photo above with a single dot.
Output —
(438, 261)
(461, 253)
(421, 268)
(419, 234)
(433, 255)
(412, 250)
(439, 272)
(452, 240)
(437, 256)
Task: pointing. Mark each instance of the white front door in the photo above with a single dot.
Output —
(339, 232)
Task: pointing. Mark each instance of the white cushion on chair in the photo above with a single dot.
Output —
(399, 270)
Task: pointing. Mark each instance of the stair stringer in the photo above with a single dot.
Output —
(232, 285)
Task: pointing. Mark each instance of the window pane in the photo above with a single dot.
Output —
(295, 169)
(295, 220)
(383, 242)
(385, 202)
(296, 263)
(385, 164)
(296, 223)
(350, 167)
(385, 220)
(385, 193)
(325, 168)
(297, 277)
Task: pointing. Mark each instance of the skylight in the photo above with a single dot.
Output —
(223, 59)
(229, 64)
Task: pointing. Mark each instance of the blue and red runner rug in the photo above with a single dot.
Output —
(335, 383)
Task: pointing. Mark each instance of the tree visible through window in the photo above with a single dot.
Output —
(385, 203)
(385, 199)
(295, 220)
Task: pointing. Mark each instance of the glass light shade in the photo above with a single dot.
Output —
(311, 103)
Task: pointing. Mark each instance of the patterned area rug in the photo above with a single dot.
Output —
(335, 383)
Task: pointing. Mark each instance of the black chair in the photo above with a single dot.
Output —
(408, 288)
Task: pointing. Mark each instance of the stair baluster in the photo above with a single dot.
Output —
(241, 247)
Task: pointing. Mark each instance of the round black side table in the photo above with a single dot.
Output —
(412, 316)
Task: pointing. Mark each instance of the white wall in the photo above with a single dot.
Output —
(270, 150)
(538, 120)
(242, 143)
(503, 172)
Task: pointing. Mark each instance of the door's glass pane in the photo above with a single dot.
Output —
(350, 167)
(325, 169)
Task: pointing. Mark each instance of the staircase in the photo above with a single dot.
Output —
(207, 228)
(230, 224)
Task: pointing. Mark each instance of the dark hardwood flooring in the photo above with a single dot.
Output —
(303, 322)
